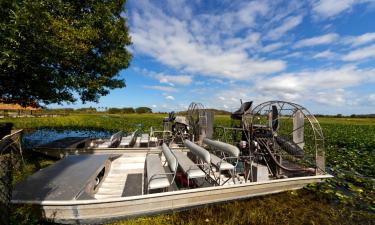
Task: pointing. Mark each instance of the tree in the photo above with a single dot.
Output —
(128, 110)
(114, 110)
(143, 110)
(54, 51)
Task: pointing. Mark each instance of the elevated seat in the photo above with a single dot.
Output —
(188, 166)
(145, 138)
(113, 141)
(238, 114)
(231, 150)
(129, 140)
(156, 176)
(221, 163)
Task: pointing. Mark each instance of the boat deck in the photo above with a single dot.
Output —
(86, 189)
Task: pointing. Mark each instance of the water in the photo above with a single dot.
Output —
(33, 138)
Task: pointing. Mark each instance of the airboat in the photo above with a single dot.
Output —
(270, 148)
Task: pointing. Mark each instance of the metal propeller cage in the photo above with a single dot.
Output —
(290, 128)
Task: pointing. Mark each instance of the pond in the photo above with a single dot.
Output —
(32, 138)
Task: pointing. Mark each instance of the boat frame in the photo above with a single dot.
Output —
(86, 211)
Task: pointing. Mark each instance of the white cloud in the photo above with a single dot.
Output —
(272, 47)
(181, 79)
(315, 85)
(371, 99)
(319, 40)
(154, 106)
(198, 46)
(331, 8)
(325, 55)
(294, 55)
(288, 24)
(360, 40)
(161, 88)
(166, 79)
(322, 79)
(169, 97)
(360, 54)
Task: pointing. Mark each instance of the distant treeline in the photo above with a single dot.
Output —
(216, 112)
(126, 110)
(140, 110)
(114, 110)
(347, 116)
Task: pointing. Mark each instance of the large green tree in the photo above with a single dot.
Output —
(55, 51)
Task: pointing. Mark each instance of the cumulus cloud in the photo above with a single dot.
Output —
(181, 79)
(319, 40)
(360, 40)
(161, 88)
(169, 97)
(331, 8)
(272, 47)
(165, 78)
(198, 46)
(360, 54)
(288, 24)
(323, 79)
(325, 55)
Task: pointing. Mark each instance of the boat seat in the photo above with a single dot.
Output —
(129, 140)
(188, 166)
(144, 140)
(198, 151)
(232, 150)
(156, 176)
(221, 164)
(170, 158)
(115, 139)
(238, 114)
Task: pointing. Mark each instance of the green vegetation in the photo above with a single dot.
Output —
(349, 198)
(116, 122)
(51, 51)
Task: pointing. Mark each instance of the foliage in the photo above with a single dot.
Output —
(52, 51)
(113, 122)
(114, 110)
(126, 110)
(143, 110)
(86, 110)
(287, 208)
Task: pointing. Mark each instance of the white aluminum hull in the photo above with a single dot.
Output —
(100, 211)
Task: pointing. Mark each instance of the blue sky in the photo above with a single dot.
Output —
(318, 53)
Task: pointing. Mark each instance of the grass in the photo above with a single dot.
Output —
(296, 207)
(349, 198)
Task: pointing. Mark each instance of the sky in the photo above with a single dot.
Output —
(317, 53)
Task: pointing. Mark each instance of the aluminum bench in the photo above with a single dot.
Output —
(115, 139)
(129, 140)
(221, 163)
(156, 176)
(187, 166)
(145, 138)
